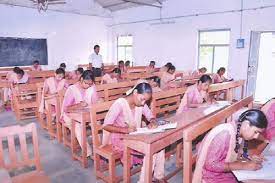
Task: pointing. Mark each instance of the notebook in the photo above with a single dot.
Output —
(159, 129)
(266, 173)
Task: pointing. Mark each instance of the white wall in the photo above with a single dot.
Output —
(70, 37)
(178, 42)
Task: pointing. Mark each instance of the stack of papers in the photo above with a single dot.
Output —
(266, 173)
(159, 129)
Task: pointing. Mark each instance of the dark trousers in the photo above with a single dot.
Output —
(97, 72)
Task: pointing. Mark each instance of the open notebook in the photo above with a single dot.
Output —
(159, 129)
(266, 173)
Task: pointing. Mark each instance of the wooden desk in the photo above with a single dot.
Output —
(202, 126)
(83, 120)
(150, 144)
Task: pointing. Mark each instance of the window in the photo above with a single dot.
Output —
(214, 49)
(125, 48)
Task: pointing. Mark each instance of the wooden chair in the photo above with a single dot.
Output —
(9, 134)
(24, 98)
(98, 113)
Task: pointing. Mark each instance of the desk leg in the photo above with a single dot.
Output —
(187, 162)
(127, 164)
(84, 145)
(73, 139)
(147, 163)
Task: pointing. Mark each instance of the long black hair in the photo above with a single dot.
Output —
(60, 71)
(116, 70)
(142, 88)
(221, 69)
(173, 68)
(205, 78)
(88, 75)
(256, 118)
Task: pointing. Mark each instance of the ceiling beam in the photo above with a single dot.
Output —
(159, 1)
(112, 5)
(142, 3)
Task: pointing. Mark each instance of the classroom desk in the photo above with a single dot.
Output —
(150, 144)
(201, 127)
(82, 116)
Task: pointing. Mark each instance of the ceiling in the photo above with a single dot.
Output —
(89, 7)
(115, 5)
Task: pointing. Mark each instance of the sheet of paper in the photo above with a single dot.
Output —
(266, 173)
(159, 129)
(270, 149)
(216, 106)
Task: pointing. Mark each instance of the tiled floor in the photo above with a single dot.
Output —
(57, 162)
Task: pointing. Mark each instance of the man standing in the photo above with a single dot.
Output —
(95, 62)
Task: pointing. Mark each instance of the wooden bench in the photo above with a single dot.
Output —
(201, 127)
(113, 91)
(24, 97)
(8, 135)
(165, 102)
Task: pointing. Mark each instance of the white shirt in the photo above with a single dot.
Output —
(95, 60)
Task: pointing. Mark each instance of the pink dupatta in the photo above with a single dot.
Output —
(202, 153)
(131, 119)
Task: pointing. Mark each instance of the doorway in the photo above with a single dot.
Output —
(261, 67)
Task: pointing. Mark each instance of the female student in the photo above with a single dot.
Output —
(166, 67)
(124, 116)
(81, 94)
(167, 78)
(155, 83)
(199, 72)
(35, 66)
(114, 77)
(269, 110)
(219, 76)
(219, 153)
(52, 86)
(76, 74)
(151, 67)
(127, 65)
(196, 94)
(121, 66)
(21, 77)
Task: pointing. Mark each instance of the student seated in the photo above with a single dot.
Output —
(195, 95)
(220, 152)
(166, 67)
(219, 76)
(151, 67)
(81, 94)
(167, 78)
(199, 72)
(127, 65)
(52, 86)
(124, 116)
(36, 66)
(21, 77)
(155, 83)
(76, 74)
(114, 77)
(63, 66)
(121, 66)
(12, 74)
